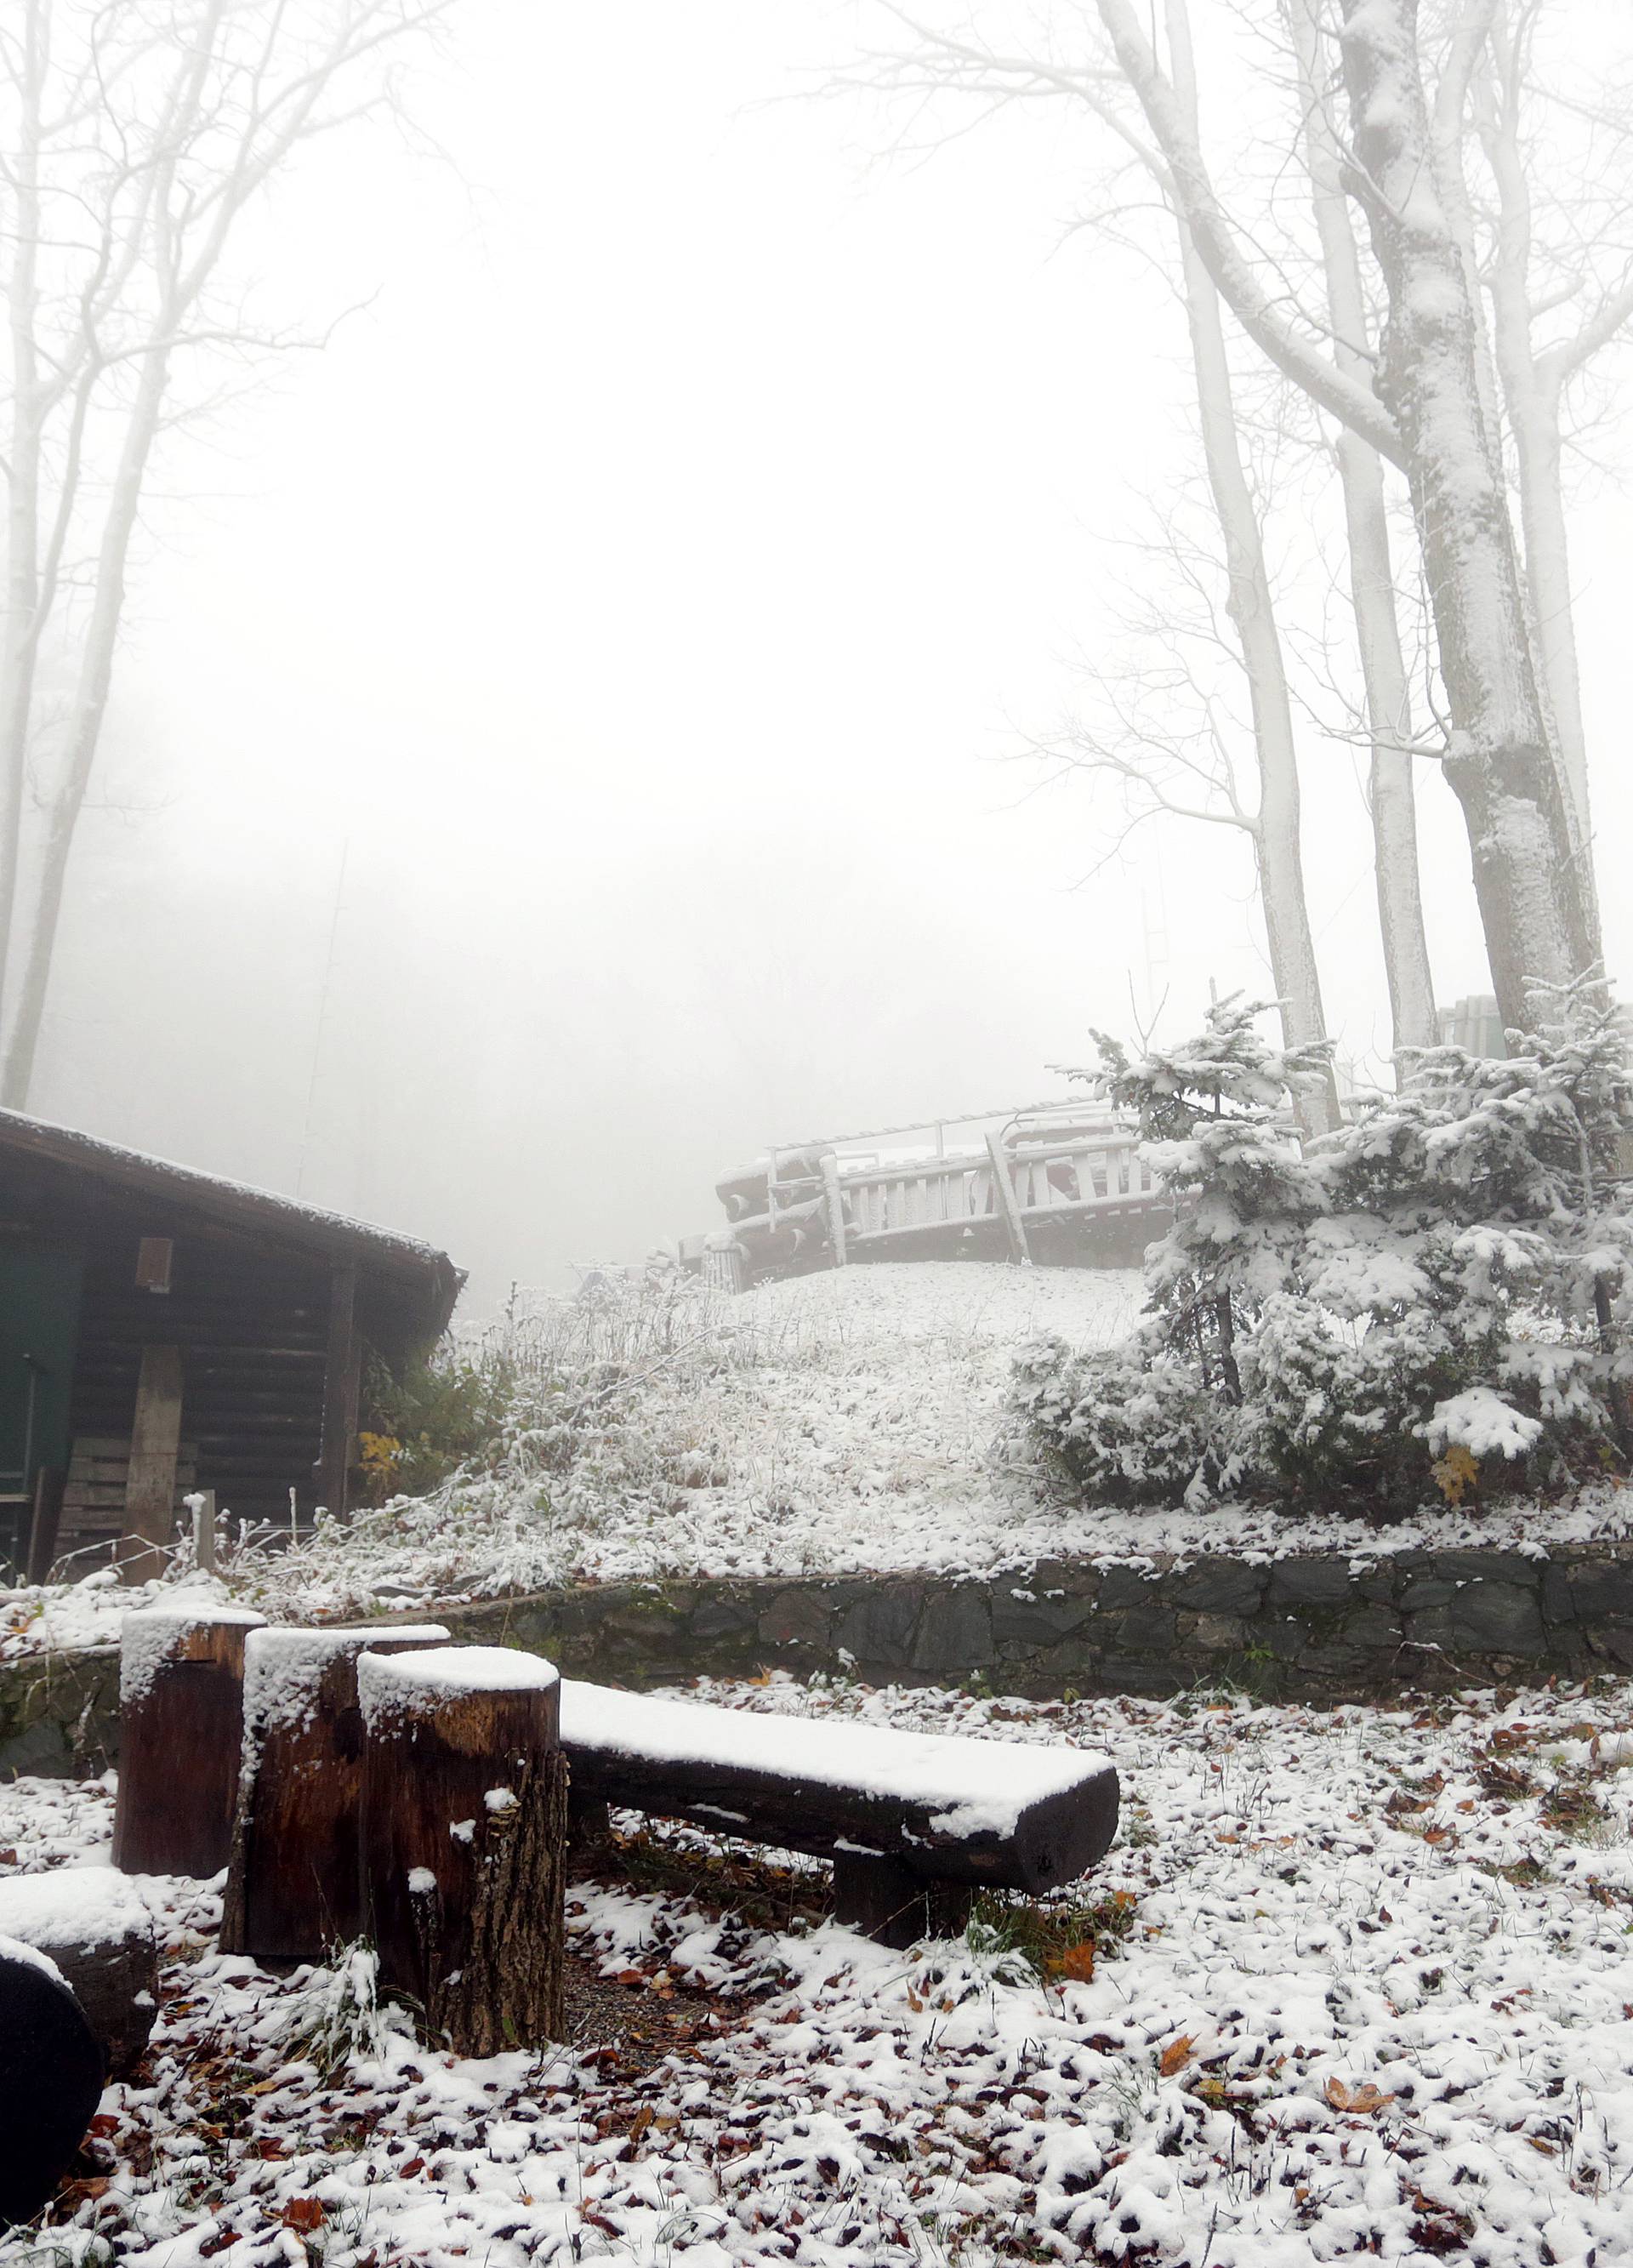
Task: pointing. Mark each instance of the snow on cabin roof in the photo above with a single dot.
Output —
(239, 1206)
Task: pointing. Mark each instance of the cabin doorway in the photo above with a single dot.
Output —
(39, 1285)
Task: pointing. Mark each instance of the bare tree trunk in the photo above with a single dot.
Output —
(18, 643)
(1275, 836)
(1532, 390)
(89, 706)
(1371, 576)
(1534, 888)
(1535, 911)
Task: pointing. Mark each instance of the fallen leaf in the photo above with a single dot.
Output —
(1361, 2101)
(1076, 1965)
(1176, 2055)
(304, 2214)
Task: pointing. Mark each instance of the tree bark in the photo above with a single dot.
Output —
(1275, 836)
(1424, 414)
(294, 1880)
(1535, 904)
(181, 1708)
(464, 1831)
(1392, 790)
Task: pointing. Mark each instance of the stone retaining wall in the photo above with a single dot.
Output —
(1317, 1627)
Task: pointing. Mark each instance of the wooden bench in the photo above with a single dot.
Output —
(914, 1823)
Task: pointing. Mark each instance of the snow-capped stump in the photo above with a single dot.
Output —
(181, 1710)
(293, 1881)
(914, 1822)
(99, 1934)
(464, 1828)
(51, 2076)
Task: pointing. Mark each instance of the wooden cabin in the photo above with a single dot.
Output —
(163, 1331)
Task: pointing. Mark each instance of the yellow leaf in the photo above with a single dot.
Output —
(1176, 2055)
(1456, 1473)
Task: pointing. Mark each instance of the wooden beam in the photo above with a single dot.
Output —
(1015, 1228)
(151, 1489)
(835, 1206)
(45, 1520)
(342, 1378)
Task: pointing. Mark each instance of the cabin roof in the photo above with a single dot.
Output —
(427, 1277)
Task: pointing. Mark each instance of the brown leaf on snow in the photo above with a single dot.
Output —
(304, 2214)
(1176, 2055)
(1361, 2101)
(1076, 1964)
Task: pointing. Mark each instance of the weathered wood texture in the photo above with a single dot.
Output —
(115, 1978)
(464, 1826)
(182, 1708)
(45, 1522)
(294, 1881)
(1052, 1841)
(151, 1487)
(890, 1903)
(342, 1385)
(51, 2075)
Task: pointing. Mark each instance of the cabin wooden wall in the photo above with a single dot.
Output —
(251, 1327)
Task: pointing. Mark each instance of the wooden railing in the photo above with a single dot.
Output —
(1101, 1172)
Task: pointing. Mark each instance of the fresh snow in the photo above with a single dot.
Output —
(1369, 2001)
(847, 1422)
(147, 1636)
(974, 1787)
(282, 1669)
(384, 1680)
(77, 1905)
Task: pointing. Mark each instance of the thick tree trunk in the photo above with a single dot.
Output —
(1277, 841)
(1372, 575)
(464, 1831)
(51, 2074)
(1535, 901)
(182, 1708)
(1531, 395)
(294, 1881)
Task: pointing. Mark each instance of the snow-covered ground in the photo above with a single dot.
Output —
(1362, 1989)
(846, 1421)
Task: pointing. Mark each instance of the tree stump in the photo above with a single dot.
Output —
(50, 2081)
(95, 1927)
(294, 1885)
(181, 1710)
(464, 1834)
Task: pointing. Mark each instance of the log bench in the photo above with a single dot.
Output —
(914, 1822)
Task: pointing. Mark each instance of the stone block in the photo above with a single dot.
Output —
(722, 1617)
(1034, 1621)
(954, 1633)
(1323, 1582)
(1125, 1587)
(879, 1629)
(796, 1618)
(1149, 1629)
(1425, 1591)
(1217, 1586)
(1498, 1617)
(1510, 1567)
(1219, 1633)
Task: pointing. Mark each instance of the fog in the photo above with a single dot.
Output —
(564, 738)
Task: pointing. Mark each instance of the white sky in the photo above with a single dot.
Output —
(639, 597)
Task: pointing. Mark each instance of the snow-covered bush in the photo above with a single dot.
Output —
(1434, 1298)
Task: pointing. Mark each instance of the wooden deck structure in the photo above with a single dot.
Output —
(1052, 1183)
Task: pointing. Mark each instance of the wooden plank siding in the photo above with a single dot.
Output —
(251, 1327)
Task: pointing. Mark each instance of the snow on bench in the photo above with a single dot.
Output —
(97, 1928)
(913, 1822)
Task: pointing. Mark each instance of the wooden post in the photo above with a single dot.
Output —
(150, 1488)
(342, 1377)
(45, 1521)
(464, 1832)
(893, 1906)
(293, 1881)
(181, 1708)
(835, 1206)
(1015, 1228)
(203, 1503)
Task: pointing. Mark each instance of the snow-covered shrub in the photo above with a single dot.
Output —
(1434, 1298)
(1127, 1424)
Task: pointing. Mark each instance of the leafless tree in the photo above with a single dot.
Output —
(135, 135)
